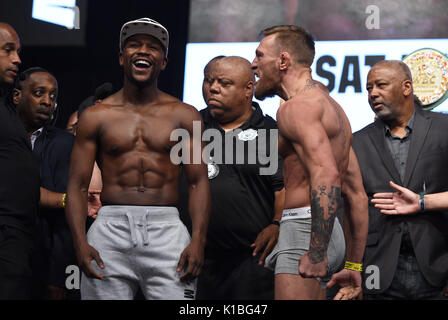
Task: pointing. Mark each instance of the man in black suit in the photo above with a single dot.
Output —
(35, 96)
(409, 146)
(19, 181)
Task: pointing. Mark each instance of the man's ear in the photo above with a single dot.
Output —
(164, 63)
(407, 88)
(120, 58)
(285, 61)
(249, 90)
(16, 96)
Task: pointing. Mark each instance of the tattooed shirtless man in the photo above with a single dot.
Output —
(314, 141)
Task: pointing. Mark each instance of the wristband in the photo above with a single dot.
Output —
(421, 201)
(276, 223)
(353, 266)
(64, 198)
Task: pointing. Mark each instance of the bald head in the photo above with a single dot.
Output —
(241, 66)
(6, 27)
(9, 54)
(228, 88)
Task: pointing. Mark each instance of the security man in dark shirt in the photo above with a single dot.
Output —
(19, 181)
(246, 203)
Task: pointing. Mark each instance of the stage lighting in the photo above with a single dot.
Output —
(60, 12)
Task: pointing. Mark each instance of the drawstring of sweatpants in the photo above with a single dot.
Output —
(132, 228)
(146, 230)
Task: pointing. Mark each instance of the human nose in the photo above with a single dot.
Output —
(16, 58)
(144, 49)
(214, 87)
(373, 93)
(254, 64)
(48, 100)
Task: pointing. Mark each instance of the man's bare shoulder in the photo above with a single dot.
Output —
(179, 109)
(112, 102)
(303, 107)
(93, 117)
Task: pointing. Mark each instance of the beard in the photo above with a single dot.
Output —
(386, 114)
(263, 91)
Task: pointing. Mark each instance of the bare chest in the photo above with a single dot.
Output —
(140, 133)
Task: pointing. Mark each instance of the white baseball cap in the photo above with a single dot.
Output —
(144, 26)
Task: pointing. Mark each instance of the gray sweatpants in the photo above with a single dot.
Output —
(140, 247)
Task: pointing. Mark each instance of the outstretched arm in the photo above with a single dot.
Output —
(404, 201)
(356, 222)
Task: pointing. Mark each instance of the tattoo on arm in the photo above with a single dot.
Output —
(324, 207)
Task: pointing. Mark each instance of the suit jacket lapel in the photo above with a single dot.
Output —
(422, 123)
(377, 136)
(38, 148)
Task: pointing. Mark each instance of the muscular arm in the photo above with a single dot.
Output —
(199, 200)
(356, 213)
(302, 125)
(356, 221)
(82, 160)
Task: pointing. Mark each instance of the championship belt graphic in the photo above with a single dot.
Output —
(429, 69)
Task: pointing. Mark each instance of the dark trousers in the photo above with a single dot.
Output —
(235, 277)
(15, 264)
(408, 282)
(53, 253)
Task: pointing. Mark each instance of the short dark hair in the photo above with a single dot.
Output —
(296, 40)
(25, 75)
(399, 66)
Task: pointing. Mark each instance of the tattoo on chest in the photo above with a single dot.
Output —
(324, 205)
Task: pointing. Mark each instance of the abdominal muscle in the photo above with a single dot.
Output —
(136, 178)
(297, 184)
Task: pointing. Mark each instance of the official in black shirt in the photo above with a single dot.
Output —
(19, 181)
(246, 201)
